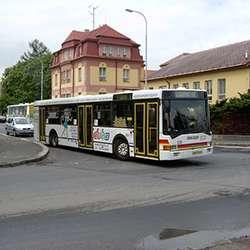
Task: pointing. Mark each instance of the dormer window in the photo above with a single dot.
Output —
(119, 52)
(104, 50)
(125, 52)
(110, 51)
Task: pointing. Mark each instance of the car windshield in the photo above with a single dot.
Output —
(185, 116)
(21, 121)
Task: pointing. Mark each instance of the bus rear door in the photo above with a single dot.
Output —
(146, 129)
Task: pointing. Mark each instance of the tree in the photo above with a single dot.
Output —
(37, 49)
(21, 82)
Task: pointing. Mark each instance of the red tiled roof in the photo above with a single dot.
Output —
(102, 31)
(223, 57)
(76, 35)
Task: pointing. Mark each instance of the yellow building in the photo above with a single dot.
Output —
(223, 72)
(98, 61)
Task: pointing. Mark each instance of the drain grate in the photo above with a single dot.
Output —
(169, 233)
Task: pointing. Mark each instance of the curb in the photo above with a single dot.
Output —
(232, 148)
(40, 156)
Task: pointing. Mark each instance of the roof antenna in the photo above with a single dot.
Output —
(92, 13)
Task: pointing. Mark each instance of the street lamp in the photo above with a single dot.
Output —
(146, 44)
(41, 79)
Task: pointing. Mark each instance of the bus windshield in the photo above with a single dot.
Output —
(185, 116)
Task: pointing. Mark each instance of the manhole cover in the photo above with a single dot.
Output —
(168, 233)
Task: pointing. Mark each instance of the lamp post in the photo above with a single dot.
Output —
(41, 79)
(146, 44)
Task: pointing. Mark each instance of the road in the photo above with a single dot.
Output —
(77, 199)
(122, 229)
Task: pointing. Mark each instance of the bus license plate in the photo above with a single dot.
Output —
(197, 152)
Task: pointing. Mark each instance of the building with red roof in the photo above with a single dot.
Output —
(98, 61)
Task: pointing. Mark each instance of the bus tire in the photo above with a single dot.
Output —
(121, 149)
(53, 139)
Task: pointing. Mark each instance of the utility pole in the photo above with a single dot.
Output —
(92, 13)
(41, 79)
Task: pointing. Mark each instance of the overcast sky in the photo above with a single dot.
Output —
(174, 26)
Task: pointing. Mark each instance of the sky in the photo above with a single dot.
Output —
(174, 26)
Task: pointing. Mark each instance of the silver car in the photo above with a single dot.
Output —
(19, 126)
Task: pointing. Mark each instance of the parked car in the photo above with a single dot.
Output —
(2, 118)
(19, 126)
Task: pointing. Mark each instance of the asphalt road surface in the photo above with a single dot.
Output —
(81, 200)
(125, 229)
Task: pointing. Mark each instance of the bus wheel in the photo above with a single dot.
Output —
(53, 139)
(121, 149)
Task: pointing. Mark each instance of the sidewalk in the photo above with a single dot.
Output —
(240, 142)
(15, 151)
(234, 244)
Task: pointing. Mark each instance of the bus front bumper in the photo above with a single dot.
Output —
(182, 154)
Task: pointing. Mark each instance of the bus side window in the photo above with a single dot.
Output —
(53, 115)
(123, 114)
(69, 115)
(102, 114)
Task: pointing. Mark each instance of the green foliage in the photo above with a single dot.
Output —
(37, 49)
(220, 110)
(22, 82)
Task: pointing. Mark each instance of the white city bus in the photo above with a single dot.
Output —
(159, 124)
(21, 110)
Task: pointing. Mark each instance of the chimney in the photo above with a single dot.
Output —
(86, 30)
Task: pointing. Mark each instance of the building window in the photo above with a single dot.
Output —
(104, 50)
(67, 54)
(102, 74)
(125, 52)
(79, 74)
(79, 93)
(110, 51)
(56, 79)
(175, 86)
(125, 75)
(185, 85)
(68, 75)
(221, 89)
(63, 77)
(196, 85)
(150, 87)
(119, 52)
(208, 88)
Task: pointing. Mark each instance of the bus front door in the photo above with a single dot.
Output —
(146, 129)
(85, 124)
(42, 124)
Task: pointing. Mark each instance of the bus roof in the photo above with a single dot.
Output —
(137, 94)
(19, 105)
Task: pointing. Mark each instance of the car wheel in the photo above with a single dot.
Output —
(121, 149)
(53, 139)
(14, 133)
(7, 132)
